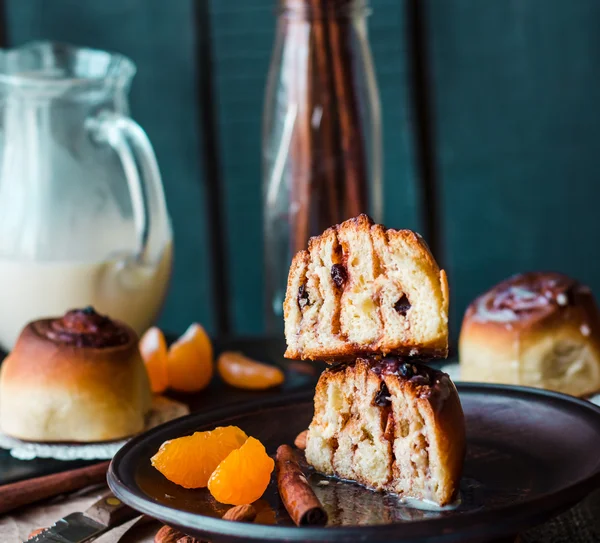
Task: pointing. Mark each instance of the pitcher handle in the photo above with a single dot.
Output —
(137, 156)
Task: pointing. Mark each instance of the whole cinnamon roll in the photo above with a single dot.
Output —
(538, 329)
(78, 378)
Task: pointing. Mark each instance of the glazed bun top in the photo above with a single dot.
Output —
(79, 330)
(83, 328)
(527, 297)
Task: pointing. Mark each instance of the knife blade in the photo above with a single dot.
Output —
(105, 514)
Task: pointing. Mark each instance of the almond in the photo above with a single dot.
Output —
(168, 535)
(300, 440)
(240, 513)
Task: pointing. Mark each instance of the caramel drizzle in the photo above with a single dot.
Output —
(83, 328)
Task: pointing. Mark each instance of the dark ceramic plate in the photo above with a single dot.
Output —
(530, 455)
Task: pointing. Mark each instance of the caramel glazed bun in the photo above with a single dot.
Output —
(389, 425)
(76, 378)
(535, 329)
(362, 289)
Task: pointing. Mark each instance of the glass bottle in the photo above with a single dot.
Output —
(321, 133)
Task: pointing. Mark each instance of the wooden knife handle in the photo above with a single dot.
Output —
(29, 491)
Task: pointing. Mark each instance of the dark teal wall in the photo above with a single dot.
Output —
(243, 37)
(517, 127)
(515, 130)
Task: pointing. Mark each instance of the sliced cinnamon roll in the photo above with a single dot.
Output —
(77, 378)
(539, 329)
(362, 289)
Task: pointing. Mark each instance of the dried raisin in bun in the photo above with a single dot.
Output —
(389, 425)
(363, 289)
(77, 378)
(537, 329)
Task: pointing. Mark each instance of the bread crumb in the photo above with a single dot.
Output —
(561, 299)
(323, 483)
(585, 330)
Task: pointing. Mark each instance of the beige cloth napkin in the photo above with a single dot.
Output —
(15, 528)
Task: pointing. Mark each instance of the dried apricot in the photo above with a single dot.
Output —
(153, 348)
(243, 476)
(240, 371)
(190, 461)
(190, 361)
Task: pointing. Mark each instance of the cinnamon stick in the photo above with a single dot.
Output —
(327, 154)
(328, 174)
(298, 497)
(21, 493)
(300, 145)
(353, 152)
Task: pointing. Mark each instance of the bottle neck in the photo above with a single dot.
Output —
(309, 10)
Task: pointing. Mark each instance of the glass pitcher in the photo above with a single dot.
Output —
(83, 218)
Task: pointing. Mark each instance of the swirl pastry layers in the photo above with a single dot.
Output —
(537, 329)
(76, 378)
(362, 289)
(389, 425)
